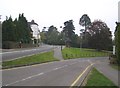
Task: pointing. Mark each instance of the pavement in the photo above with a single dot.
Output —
(58, 53)
(111, 73)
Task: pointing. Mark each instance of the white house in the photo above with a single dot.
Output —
(35, 32)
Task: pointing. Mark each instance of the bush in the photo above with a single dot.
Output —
(113, 59)
(9, 45)
(12, 45)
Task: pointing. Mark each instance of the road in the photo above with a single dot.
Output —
(15, 54)
(58, 73)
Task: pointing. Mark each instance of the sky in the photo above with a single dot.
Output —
(55, 12)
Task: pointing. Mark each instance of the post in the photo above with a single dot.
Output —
(61, 44)
(61, 47)
(114, 50)
(81, 35)
(81, 44)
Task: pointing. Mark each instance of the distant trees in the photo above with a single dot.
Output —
(70, 38)
(8, 30)
(100, 36)
(96, 34)
(67, 36)
(17, 30)
(24, 31)
(68, 31)
(85, 21)
(51, 36)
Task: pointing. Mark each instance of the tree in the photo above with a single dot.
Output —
(8, 30)
(69, 32)
(17, 30)
(23, 29)
(100, 36)
(117, 41)
(52, 35)
(85, 22)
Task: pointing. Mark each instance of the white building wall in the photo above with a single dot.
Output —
(36, 33)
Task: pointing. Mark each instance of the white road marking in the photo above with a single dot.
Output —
(60, 67)
(55, 68)
(25, 79)
(35, 75)
(38, 74)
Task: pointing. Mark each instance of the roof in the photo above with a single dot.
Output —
(32, 22)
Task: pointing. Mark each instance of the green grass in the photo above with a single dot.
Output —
(95, 78)
(34, 59)
(69, 53)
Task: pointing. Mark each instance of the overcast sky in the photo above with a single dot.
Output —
(56, 12)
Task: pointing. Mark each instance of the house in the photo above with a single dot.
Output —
(35, 32)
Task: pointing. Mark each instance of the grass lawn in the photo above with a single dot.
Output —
(95, 78)
(69, 53)
(34, 59)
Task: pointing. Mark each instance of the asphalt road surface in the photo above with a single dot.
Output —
(58, 73)
(15, 54)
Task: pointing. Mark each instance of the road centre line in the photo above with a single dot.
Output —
(36, 75)
(25, 79)
(36, 65)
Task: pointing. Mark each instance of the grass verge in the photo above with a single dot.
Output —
(69, 53)
(30, 60)
(95, 78)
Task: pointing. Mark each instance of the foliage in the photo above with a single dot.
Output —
(85, 21)
(117, 41)
(24, 31)
(69, 33)
(96, 35)
(17, 30)
(101, 37)
(8, 30)
(52, 36)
